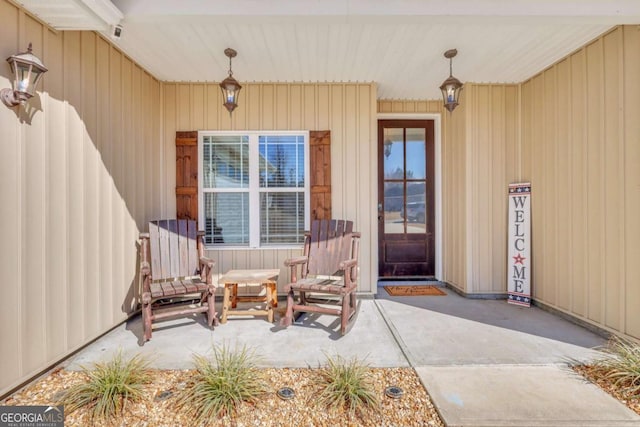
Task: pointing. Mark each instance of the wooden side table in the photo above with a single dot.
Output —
(231, 280)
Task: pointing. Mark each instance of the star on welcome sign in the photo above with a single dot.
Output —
(518, 259)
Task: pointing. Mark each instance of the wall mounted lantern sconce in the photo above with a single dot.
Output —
(451, 87)
(27, 70)
(230, 86)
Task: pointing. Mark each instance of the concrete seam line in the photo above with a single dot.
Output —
(394, 333)
(403, 348)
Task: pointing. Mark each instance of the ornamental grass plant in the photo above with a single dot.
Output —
(620, 365)
(108, 387)
(219, 385)
(343, 385)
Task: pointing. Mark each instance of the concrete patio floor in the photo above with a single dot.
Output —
(484, 362)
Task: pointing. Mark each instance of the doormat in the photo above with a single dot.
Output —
(416, 290)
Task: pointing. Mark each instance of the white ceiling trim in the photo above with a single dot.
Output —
(105, 10)
(381, 19)
(90, 15)
(315, 8)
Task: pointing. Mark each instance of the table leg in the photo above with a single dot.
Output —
(274, 294)
(272, 299)
(234, 296)
(226, 301)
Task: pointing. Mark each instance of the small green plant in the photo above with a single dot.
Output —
(220, 385)
(344, 386)
(108, 387)
(621, 365)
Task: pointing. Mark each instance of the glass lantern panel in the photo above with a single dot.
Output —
(23, 77)
(451, 93)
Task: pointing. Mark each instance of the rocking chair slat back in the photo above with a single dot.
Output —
(154, 246)
(327, 245)
(192, 247)
(174, 251)
(183, 248)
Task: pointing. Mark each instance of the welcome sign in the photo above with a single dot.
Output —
(519, 250)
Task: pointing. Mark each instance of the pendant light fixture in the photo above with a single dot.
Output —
(451, 87)
(230, 86)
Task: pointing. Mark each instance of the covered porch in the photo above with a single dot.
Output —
(551, 97)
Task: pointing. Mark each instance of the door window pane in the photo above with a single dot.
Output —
(393, 147)
(393, 205)
(416, 209)
(416, 168)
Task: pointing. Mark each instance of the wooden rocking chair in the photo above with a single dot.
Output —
(329, 266)
(175, 272)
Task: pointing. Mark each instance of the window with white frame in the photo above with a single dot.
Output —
(254, 188)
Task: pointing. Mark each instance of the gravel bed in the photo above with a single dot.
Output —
(157, 408)
(606, 384)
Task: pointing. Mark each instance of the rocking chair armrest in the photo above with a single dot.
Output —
(348, 263)
(350, 271)
(295, 261)
(293, 264)
(206, 269)
(208, 262)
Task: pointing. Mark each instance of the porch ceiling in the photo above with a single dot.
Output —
(397, 44)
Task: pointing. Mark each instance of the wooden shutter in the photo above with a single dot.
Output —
(320, 162)
(187, 175)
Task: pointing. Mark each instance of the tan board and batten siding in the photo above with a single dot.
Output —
(82, 174)
(581, 150)
(348, 110)
(78, 178)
